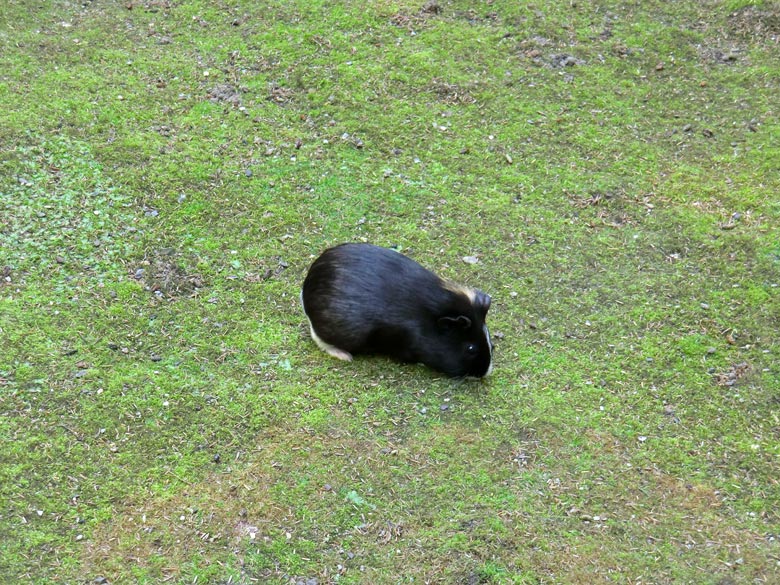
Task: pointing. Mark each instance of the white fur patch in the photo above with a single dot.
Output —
(466, 291)
(328, 348)
(323, 345)
(490, 345)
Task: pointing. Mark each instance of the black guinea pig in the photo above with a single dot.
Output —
(361, 298)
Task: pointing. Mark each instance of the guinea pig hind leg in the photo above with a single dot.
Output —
(330, 349)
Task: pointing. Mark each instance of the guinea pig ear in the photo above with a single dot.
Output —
(459, 322)
(482, 302)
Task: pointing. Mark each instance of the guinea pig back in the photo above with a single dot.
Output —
(365, 299)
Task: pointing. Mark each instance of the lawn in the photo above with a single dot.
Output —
(609, 171)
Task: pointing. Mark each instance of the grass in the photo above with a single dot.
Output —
(170, 169)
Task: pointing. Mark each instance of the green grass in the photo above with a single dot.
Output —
(168, 172)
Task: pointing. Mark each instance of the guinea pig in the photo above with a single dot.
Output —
(364, 299)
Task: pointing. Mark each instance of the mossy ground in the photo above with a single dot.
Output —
(168, 172)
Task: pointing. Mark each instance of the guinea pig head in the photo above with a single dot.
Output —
(465, 349)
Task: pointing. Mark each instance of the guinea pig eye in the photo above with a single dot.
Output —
(471, 349)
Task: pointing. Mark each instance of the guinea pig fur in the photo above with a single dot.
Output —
(361, 298)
